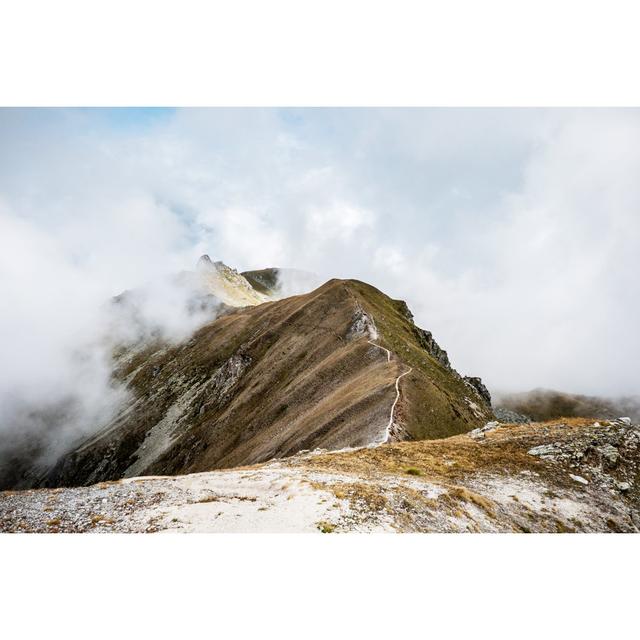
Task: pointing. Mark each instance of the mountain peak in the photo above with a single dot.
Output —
(204, 261)
(226, 284)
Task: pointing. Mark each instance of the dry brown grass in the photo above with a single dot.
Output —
(462, 493)
(446, 461)
(356, 492)
(99, 518)
(569, 422)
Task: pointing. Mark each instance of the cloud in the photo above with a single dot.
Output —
(249, 235)
(337, 222)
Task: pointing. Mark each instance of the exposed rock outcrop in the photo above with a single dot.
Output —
(476, 384)
(226, 284)
(432, 347)
(508, 416)
(362, 326)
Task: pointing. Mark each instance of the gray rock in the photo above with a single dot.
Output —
(544, 450)
(609, 453)
(479, 433)
(623, 486)
(476, 384)
(362, 324)
(433, 348)
(511, 417)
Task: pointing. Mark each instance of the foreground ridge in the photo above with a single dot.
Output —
(565, 476)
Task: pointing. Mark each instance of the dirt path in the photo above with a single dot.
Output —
(383, 348)
(393, 406)
(387, 430)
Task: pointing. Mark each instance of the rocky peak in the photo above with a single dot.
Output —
(477, 385)
(226, 284)
(204, 262)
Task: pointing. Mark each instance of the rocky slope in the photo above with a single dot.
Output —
(568, 476)
(341, 366)
(226, 284)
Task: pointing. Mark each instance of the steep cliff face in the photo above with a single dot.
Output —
(342, 366)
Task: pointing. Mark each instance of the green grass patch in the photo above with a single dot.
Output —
(412, 471)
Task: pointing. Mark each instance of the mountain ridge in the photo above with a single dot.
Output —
(269, 380)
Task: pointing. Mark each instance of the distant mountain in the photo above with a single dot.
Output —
(546, 404)
(226, 284)
(280, 283)
(341, 366)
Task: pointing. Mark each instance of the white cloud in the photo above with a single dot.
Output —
(338, 222)
(247, 234)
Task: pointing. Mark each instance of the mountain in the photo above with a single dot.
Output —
(324, 411)
(343, 366)
(279, 282)
(226, 284)
(263, 280)
(546, 404)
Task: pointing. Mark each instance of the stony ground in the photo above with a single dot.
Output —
(565, 476)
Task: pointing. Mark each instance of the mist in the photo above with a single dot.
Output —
(61, 329)
(511, 233)
(545, 404)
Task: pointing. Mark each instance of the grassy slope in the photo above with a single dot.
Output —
(432, 406)
(305, 386)
(263, 280)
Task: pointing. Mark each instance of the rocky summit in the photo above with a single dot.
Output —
(226, 284)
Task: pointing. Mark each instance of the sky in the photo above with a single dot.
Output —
(513, 234)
